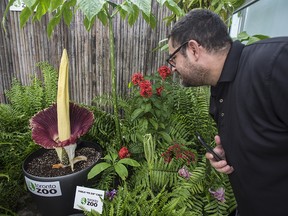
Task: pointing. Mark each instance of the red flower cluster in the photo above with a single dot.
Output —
(137, 78)
(123, 153)
(145, 89)
(164, 72)
(178, 152)
(146, 85)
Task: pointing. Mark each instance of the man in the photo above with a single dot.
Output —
(249, 102)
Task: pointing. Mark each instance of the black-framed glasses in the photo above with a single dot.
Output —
(170, 59)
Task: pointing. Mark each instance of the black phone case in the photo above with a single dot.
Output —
(208, 148)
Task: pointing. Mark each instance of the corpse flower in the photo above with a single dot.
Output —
(59, 126)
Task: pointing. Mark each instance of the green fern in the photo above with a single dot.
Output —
(30, 99)
(50, 79)
(103, 128)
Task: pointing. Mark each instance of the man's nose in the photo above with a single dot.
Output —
(174, 69)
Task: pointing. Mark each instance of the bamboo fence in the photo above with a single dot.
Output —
(22, 48)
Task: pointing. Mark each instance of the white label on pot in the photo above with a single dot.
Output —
(89, 199)
(47, 189)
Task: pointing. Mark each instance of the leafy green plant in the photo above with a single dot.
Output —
(112, 161)
(151, 103)
(249, 39)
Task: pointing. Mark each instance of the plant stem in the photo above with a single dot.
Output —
(114, 79)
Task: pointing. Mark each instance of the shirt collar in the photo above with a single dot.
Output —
(231, 63)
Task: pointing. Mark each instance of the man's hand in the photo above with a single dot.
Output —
(220, 166)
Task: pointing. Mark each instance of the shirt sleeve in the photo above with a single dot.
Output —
(279, 85)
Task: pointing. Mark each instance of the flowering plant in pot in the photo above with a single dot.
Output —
(58, 128)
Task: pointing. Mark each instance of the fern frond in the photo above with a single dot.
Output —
(50, 80)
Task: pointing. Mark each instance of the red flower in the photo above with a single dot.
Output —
(124, 153)
(137, 78)
(164, 72)
(177, 152)
(159, 90)
(145, 88)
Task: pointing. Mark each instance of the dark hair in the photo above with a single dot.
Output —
(204, 26)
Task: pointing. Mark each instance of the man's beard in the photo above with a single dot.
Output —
(194, 75)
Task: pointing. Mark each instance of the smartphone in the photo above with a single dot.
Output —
(208, 148)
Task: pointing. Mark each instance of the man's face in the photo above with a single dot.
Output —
(187, 65)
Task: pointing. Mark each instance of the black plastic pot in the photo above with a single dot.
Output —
(54, 196)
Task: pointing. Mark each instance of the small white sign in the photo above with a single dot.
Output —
(18, 5)
(89, 199)
(47, 189)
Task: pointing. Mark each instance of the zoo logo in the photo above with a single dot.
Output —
(32, 186)
(83, 201)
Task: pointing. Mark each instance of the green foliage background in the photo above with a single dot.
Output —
(15, 134)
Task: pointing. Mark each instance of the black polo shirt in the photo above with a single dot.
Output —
(250, 106)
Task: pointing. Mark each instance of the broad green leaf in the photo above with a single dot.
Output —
(164, 47)
(113, 4)
(89, 23)
(144, 6)
(42, 9)
(129, 162)
(55, 4)
(151, 20)
(174, 7)
(148, 107)
(139, 136)
(242, 36)
(125, 9)
(133, 16)
(130, 85)
(24, 16)
(29, 3)
(114, 156)
(136, 113)
(165, 136)
(261, 37)
(90, 8)
(111, 157)
(121, 170)
(161, 125)
(70, 3)
(98, 168)
(154, 123)
(102, 16)
(67, 15)
(52, 23)
(252, 39)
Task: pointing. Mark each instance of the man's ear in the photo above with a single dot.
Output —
(194, 48)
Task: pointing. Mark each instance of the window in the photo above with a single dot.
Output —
(266, 17)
